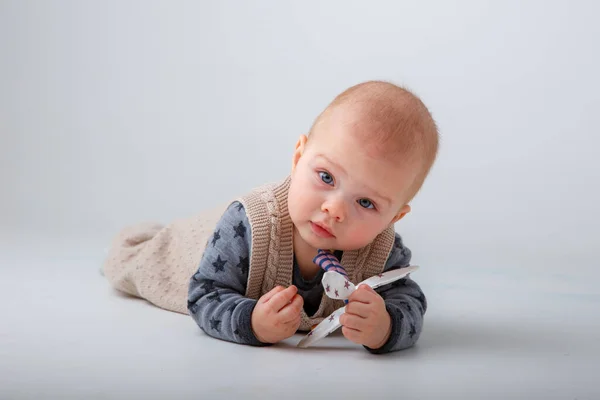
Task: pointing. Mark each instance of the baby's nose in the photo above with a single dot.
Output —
(335, 208)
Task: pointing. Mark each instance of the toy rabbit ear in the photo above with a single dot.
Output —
(337, 286)
(388, 277)
(327, 326)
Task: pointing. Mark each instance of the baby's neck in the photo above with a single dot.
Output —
(304, 255)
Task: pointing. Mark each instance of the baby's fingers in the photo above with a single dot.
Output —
(283, 298)
(267, 296)
(364, 294)
(291, 312)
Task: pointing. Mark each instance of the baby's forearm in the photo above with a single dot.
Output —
(222, 313)
(216, 298)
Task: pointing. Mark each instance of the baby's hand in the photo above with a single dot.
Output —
(277, 314)
(366, 321)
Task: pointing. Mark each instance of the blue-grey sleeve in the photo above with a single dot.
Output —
(404, 301)
(216, 298)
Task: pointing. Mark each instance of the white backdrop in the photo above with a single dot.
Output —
(115, 112)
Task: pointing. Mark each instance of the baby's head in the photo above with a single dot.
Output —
(364, 159)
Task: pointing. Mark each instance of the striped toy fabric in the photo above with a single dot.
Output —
(327, 261)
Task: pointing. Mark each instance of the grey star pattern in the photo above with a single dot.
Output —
(240, 206)
(231, 308)
(219, 264)
(236, 332)
(214, 296)
(244, 265)
(215, 324)
(413, 331)
(193, 307)
(408, 307)
(216, 236)
(208, 286)
(240, 230)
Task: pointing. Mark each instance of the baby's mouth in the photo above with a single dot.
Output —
(321, 230)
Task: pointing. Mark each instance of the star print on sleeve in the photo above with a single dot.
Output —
(219, 264)
(240, 230)
(192, 307)
(422, 301)
(244, 265)
(215, 324)
(216, 237)
(208, 285)
(413, 331)
(214, 296)
(405, 304)
(231, 307)
(216, 293)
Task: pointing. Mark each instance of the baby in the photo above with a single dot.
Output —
(246, 274)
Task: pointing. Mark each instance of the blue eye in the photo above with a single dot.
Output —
(325, 177)
(366, 203)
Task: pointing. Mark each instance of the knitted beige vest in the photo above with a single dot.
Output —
(156, 262)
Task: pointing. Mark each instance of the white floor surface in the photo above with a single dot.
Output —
(489, 334)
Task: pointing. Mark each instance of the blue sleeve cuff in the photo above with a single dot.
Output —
(244, 326)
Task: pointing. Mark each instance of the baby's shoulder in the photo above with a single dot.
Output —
(400, 255)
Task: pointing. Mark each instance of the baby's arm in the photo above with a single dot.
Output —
(216, 298)
(404, 301)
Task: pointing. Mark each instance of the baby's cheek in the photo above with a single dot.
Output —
(360, 237)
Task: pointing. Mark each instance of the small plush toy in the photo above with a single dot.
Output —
(337, 286)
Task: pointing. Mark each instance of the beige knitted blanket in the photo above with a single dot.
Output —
(155, 262)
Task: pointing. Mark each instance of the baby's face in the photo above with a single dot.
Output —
(341, 197)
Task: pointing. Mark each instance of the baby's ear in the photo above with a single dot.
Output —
(403, 211)
(298, 151)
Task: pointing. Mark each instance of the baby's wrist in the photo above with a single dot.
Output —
(387, 326)
(253, 326)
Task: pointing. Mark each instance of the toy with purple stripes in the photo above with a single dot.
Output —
(329, 262)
